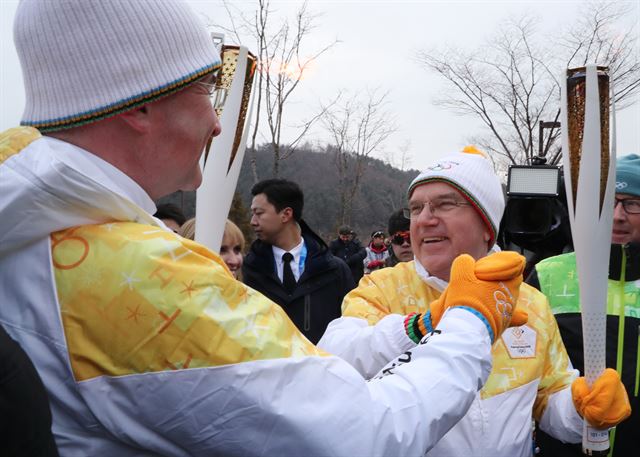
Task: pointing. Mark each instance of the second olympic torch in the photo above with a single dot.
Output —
(221, 168)
(589, 165)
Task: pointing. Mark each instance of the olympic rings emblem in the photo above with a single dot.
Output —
(441, 166)
(504, 307)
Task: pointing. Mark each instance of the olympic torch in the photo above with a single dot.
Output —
(589, 164)
(221, 168)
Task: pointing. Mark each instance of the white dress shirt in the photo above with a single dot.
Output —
(296, 266)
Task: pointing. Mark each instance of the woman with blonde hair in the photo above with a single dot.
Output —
(232, 244)
(232, 248)
(188, 229)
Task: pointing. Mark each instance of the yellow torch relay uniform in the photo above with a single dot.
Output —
(530, 379)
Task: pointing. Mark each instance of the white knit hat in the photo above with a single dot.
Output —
(471, 173)
(84, 60)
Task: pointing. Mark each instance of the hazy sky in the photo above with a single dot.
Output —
(378, 43)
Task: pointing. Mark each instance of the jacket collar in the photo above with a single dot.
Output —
(52, 185)
(437, 283)
(261, 255)
(632, 253)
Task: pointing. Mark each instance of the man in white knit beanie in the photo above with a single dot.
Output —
(145, 342)
(454, 211)
(107, 61)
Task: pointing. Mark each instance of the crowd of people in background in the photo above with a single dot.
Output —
(384, 249)
(301, 284)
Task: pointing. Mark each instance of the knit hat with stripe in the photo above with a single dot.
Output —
(471, 173)
(84, 60)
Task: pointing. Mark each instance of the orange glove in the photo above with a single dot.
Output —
(606, 404)
(490, 286)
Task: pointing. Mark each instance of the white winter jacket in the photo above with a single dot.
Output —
(148, 346)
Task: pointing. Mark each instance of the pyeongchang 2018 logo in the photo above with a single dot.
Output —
(620, 185)
(520, 342)
(517, 332)
(441, 166)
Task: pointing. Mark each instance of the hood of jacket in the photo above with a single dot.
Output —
(51, 185)
(377, 249)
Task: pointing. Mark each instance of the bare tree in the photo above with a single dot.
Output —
(282, 63)
(254, 26)
(400, 159)
(511, 83)
(598, 38)
(358, 127)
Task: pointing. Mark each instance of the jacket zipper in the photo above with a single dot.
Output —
(307, 312)
(621, 314)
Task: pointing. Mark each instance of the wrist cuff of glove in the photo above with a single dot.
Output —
(409, 322)
(484, 320)
(428, 324)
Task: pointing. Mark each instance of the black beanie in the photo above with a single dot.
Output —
(398, 223)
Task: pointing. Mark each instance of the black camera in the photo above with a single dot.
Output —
(536, 220)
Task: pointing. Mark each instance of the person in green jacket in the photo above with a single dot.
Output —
(557, 278)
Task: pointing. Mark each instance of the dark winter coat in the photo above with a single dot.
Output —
(317, 298)
(392, 260)
(353, 253)
(25, 417)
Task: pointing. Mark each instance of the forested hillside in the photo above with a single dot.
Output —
(382, 189)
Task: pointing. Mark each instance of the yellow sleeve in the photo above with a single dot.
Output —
(396, 290)
(16, 139)
(366, 301)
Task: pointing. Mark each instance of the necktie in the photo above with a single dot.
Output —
(288, 279)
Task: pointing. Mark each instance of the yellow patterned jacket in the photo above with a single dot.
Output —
(531, 372)
(148, 346)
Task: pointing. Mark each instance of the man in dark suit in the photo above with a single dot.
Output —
(290, 264)
(350, 250)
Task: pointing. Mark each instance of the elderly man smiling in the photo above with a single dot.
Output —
(455, 207)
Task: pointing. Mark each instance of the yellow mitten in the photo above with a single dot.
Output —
(606, 404)
(489, 286)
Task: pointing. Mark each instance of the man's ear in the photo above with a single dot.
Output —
(138, 119)
(287, 214)
(486, 235)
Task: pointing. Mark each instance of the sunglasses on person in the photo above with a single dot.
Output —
(401, 237)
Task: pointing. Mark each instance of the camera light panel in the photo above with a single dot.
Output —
(533, 180)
